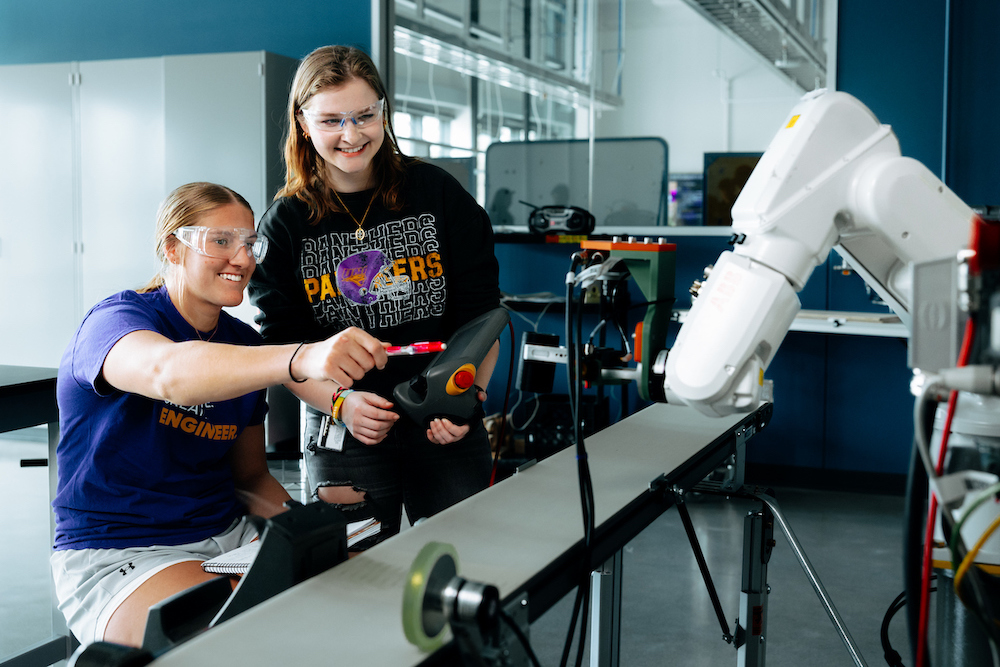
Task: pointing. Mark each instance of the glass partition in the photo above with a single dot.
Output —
(471, 74)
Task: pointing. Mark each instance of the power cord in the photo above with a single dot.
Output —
(503, 415)
(521, 637)
(581, 604)
(892, 657)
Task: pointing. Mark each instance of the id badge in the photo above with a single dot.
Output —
(331, 436)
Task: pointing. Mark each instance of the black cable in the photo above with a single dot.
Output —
(614, 288)
(582, 602)
(570, 348)
(892, 657)
(506, 403)
(614, 315)
(571, 384)
(586, 488)
(521, 637)
(510, 379)
(915, 513)
(583, 464)
(585, 585)
(572, 626)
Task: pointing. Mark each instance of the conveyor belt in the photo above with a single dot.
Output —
(522, 535)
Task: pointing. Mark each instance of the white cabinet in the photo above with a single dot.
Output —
(87, 152)
(121, 171)
(37, 260)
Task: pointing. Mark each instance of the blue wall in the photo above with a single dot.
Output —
(891, 57)
(973, 102)
(894, 57)
(39, 31)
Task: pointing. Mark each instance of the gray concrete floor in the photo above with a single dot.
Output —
(25, 606)
(853, 540)
(854, 544)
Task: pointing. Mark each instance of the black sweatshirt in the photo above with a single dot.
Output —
(418, 275)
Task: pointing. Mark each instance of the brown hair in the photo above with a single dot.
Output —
(182, 207)
(305, 175)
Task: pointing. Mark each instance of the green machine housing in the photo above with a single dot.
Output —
(652, 264)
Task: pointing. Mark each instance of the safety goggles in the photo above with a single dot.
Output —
(223, 242)
(335, 122)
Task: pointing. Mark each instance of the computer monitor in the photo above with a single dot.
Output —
(725, 175)
(684, 206)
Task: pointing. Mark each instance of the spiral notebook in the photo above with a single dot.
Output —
(239, 560)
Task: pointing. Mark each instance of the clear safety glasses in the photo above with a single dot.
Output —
(223, 242)
(335, 122)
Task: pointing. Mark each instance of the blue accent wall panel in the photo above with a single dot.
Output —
(796, 434)
(973, 102)
(890, 55)
(847, 291)
(894, 59)
(869, 414)
(39, 31)
(534, 267)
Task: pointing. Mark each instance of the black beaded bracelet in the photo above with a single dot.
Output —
(290, 360)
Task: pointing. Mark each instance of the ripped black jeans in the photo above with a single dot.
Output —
(404, 470)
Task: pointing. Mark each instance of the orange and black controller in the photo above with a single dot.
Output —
(446, 387)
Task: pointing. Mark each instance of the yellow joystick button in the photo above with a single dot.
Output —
(461, 380)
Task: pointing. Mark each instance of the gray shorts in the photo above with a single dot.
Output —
(91, 584)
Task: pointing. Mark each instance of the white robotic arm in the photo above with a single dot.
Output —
(832, 175)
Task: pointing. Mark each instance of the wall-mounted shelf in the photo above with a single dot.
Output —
(522, 233)
(885, 325)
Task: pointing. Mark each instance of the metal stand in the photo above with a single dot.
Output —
(702, 565)
(606, 581)
(605, 613)
(817, 585)
(758, 540)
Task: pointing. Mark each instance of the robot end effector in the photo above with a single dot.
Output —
(832, 176)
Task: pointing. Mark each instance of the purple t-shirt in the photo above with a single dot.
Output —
(134, 471)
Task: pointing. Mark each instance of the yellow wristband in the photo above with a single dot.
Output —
(333, 399)
(338, 405)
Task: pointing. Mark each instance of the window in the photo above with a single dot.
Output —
(503, 70)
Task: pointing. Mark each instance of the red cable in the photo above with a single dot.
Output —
(963, 358)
